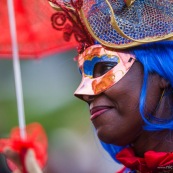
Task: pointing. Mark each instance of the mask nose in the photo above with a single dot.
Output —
(86, 98)
(85, 87)
(85, 91)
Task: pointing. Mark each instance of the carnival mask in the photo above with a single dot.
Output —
(96, 79)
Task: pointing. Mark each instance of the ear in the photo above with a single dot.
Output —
(164, 83)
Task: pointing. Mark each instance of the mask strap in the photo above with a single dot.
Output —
(163, 93)
(152, 117)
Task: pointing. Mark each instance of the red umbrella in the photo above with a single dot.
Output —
(35, 35)
(26, 32)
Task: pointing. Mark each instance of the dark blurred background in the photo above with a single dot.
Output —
(48, 87)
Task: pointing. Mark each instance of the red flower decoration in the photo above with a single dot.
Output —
(151, 163)
(36, 140)
(68, 20)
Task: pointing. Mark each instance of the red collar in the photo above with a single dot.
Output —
(151, 163)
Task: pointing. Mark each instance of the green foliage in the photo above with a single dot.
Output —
(73, 115)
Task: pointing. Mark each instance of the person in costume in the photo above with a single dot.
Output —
(126, 62)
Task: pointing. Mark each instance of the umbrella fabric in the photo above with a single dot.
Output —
(35, 34)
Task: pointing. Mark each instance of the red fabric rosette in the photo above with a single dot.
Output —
(36, 140)
(152, 162)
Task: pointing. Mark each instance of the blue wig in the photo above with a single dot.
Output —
(155, 58)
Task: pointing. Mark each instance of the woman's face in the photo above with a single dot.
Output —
(115, 111)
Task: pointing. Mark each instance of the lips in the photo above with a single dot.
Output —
(97, 111)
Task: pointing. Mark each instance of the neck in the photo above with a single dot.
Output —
(160, 141)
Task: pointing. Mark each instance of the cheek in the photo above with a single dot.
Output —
(117, 128)
(123, 124)
(125, 99)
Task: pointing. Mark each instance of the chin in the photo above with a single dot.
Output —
(105, 136)
(110, 138)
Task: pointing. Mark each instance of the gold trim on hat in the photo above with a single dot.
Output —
(129, 2)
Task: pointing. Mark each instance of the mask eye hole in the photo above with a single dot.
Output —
(101, 68)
